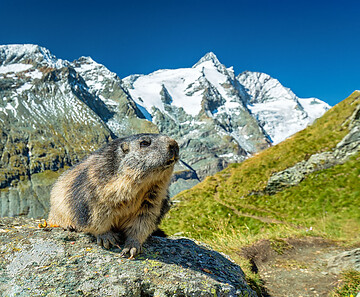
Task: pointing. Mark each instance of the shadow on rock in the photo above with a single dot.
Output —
(187, 254)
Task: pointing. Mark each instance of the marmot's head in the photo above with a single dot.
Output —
(147, 154)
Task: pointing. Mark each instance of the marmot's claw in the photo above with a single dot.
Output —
(132, 251)
(108, 238)
(124, 252)
(70, 228)
(133, 247)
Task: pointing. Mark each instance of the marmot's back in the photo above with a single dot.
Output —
(122, 187)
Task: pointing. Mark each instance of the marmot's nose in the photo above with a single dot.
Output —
(173, 148)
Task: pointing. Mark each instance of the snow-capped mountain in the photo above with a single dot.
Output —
(203, 107)
(17, 55)
(53, 112)
(124, 116)
(208, 102)
(278, 111)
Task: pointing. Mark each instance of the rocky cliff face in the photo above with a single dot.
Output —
(53, 112)
(51, 116)
(46, 124)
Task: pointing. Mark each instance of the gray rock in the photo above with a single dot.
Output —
(294, 175)
(53, 262)
(181, 184)
(344, 261)
(350, 143)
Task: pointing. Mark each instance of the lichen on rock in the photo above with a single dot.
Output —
(54, 262)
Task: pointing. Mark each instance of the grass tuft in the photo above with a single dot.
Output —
(349, 284)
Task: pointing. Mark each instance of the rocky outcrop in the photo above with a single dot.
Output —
(347, 147)
(54, 262)
(345, 261)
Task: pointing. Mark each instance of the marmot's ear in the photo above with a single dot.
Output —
(125, 147)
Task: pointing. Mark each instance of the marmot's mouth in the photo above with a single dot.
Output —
(173, 160)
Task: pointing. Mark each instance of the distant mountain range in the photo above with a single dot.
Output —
(211, 89)
(53, 112)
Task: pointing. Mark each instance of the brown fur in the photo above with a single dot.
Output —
(125, 197)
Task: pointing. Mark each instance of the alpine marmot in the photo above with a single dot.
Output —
(119, 190)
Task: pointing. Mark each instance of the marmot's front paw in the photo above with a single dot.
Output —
(108, 238)
(132, 246)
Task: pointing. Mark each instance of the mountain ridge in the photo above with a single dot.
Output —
(58, 111)
(255, 91)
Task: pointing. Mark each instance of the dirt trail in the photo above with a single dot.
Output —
(295, 267)
(242, 214)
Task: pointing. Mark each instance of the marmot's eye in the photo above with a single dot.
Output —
(145, 143)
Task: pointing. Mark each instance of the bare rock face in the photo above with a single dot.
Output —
(345, 260)
(53, 262)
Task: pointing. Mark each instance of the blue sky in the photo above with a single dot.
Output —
(312, 47)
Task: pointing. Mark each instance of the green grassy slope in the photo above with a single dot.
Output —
(227, 210)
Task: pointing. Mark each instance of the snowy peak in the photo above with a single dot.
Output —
(203, 98)
(209, 57)
(211, 62)
(88, 65)
(212, 89)
(23, 67)
(29, 53)
(188, 87)
(94, 73)
(13, 53)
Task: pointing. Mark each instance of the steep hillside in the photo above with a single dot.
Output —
(234, 207)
